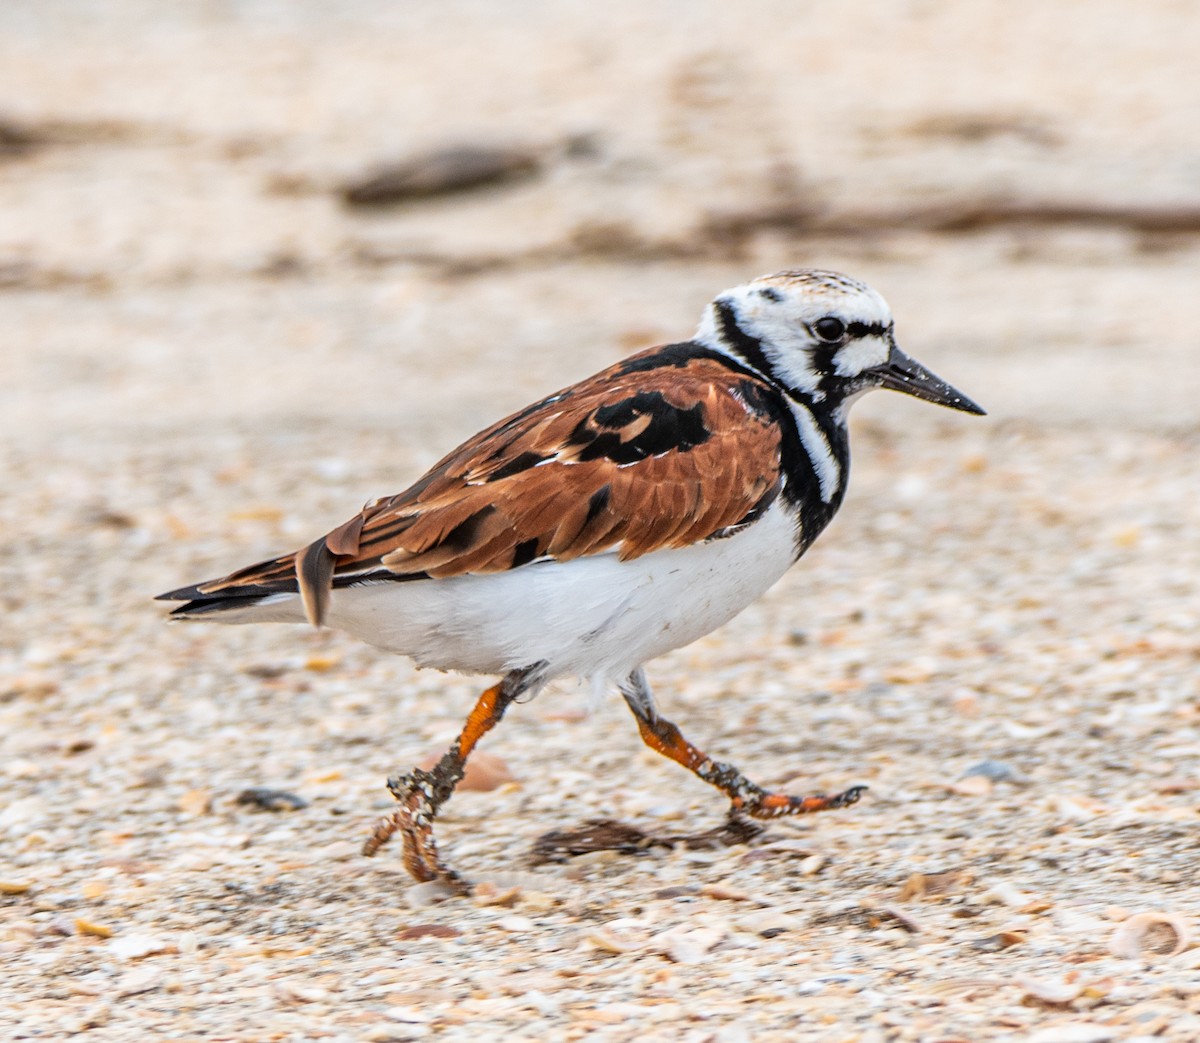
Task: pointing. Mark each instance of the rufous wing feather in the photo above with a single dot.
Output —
(638, 458)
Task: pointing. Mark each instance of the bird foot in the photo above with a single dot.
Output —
(413, 820)
(762, 804)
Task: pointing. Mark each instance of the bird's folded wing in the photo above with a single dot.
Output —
(638, 458)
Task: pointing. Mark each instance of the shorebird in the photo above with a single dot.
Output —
(620, 518)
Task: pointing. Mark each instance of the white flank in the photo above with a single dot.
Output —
(595, 617)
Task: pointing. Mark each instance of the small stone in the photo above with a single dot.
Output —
(94, 1018)
(320, 664)
(487, 893)
(271, 799)
(921, 885)
(62, 926)
(195, 802)
(812, 865)
(999, 941)
(995, 771)
(972, 786)
(689, 947)
(768, 923)
(407, 1015)
(538, 901)
(890, 914)
(617, 937)
(293, 992)
(95, 930)
(1076, 809)
(427, 893)
(1004, 893)
(136, 946)
(138, 981)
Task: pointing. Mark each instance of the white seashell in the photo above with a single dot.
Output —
(1147, 936)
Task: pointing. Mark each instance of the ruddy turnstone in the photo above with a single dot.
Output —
(615, 520)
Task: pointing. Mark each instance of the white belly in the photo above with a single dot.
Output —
(592, 617)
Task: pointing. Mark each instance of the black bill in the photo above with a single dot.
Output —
(902, 373)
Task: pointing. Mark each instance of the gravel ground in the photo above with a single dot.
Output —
(209, 358)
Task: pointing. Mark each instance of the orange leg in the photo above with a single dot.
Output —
(421, 793)
(745, 796)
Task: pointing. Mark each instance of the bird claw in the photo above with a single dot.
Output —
(413, 820)
(776, 805)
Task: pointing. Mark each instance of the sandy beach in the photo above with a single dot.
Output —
(210, 356)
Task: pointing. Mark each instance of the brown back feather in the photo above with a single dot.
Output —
(574, 475)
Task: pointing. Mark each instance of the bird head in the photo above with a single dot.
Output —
(823, 337)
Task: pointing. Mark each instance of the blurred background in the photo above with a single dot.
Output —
(1019, 179)
(261, 261)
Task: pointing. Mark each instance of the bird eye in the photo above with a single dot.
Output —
(829, 329)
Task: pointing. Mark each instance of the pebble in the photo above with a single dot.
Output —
(618, 936)
(812, 865)
(135, 945)
(195, 802)
(1056, 993)
(138, 981)
(689, 946)
(89, 927)
(994, 771)
(269, 799)
(768, 922)
(972, 786)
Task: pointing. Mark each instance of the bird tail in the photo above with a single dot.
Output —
(265, 592)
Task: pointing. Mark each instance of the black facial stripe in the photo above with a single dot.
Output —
(861, 329)
(824, 364)
(748, 349)
(802, 486)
